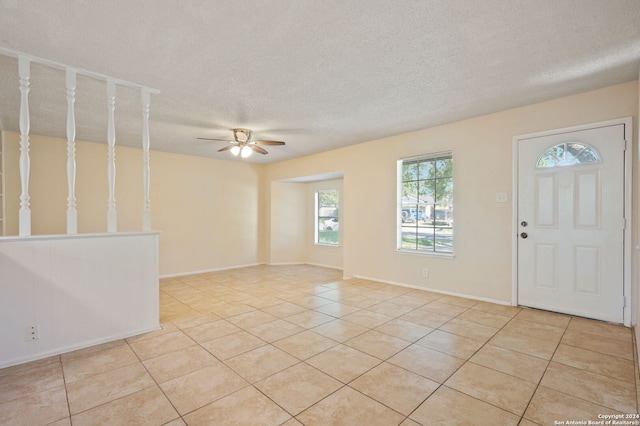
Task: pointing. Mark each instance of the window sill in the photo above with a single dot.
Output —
(446, 256)
(327, 245)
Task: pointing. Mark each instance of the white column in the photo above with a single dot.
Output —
(72, 212)
(146, 210)
(24, 217)
(112, 215)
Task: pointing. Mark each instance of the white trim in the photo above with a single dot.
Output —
(204, 271)
(70, 348)
(433, 290)
(628, 187)
(325, 266)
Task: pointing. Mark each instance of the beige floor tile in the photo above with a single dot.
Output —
(147, 407)
(162, 344)
(82, 353)
(292, 422)
(459, 301)
(449, 407)
(470, 329)
(305, 345)
(39, 408)
(452, 344)
(409, 422)
(502, 390)
(494, 308)
(165, 328)
(21, 368)
(543, 317)
(201, 387)
(263, 302)
(261, 363)
(284, 309)
(600, 328)
(601, 390)
(310, 302)
(247, 407)
(540, 348)
(395, 387)
(426, 318)
(426, 362)
(347, 407)
(310, 319)
(65, 422)
(251, 319)
(96, 390)
(343, 363)
(275, 330)
(606, 365)
(367, 318)
(548, 406)
(299, 387)
(30, 381)
(534, 329)
(378, 344)
(405, 330)
(415, 300)
(484, 318)
(603, 344)
(441, 307)
(518, 364)
(231, 345)
(195, 319)
(390, 309)
(212, 330)
(79, 367)
(336, 309)
(228, 310)
(340, 330)
(178, 363)
(361, 301)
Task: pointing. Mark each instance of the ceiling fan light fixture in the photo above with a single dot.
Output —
(242, 135)
(235, 150)
(245, 151)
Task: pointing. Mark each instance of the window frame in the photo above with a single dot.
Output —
(431, 205)
(318, 219)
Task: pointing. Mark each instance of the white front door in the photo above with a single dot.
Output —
(571, 222)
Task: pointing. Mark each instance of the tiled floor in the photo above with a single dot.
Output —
(291, 345)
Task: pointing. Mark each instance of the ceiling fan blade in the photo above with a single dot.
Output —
(228, 147)
(268, 143)
(211, 139)
(257, 149)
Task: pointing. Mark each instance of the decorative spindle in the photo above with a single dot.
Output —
(112, 215)
(24, 217)
(146, 210)
(72, 212)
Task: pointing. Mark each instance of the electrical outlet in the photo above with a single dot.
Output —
(501, 197)
(425, 273)
(33, 332)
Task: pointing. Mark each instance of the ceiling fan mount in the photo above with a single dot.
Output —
(242, 144)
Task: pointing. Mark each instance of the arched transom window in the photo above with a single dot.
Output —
(568, 154)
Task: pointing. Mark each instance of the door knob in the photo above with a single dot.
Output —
(524, 235)
(524, 223)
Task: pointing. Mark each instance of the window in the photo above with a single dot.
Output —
(567, 154)
(425, 216)
(327, 217)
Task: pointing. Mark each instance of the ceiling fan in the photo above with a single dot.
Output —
(243, 145)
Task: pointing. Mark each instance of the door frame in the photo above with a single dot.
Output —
(628, 207)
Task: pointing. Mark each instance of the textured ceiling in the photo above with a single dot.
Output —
(316, 74)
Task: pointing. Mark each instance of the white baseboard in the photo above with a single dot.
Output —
(448, 293)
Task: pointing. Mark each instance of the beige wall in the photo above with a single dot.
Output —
(217, 214)
(206, 209)
(482, 149)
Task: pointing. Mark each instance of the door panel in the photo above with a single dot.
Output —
(570, 216)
